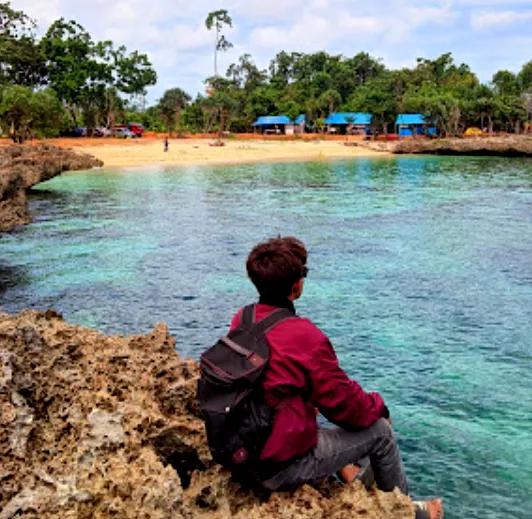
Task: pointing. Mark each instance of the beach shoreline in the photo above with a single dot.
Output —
(197, 152)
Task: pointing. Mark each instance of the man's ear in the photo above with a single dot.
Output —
(297, 290)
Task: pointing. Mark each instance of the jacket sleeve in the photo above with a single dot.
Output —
(341, 400)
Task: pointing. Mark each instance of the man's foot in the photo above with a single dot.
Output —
(429, 509)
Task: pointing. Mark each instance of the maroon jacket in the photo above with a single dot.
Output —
(304, 375)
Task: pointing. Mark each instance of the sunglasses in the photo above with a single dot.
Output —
(304, 272)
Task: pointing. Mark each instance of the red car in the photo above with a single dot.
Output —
(137, 129)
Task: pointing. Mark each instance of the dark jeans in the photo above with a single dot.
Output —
(337, 448)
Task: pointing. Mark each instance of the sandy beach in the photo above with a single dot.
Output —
(119, 153)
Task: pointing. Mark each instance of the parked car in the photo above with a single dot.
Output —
(74, 131)
(124, 132)
(137, 129)
(101, 132)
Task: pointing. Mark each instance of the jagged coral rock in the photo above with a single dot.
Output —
(96, 426)
(22, 167)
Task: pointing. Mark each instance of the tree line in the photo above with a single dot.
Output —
(64, 78)
(67, 78)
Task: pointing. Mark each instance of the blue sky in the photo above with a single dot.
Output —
(489, 35)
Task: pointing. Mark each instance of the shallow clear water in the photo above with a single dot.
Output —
(420, 273)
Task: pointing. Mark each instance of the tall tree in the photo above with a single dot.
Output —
(72, 70)
(329, 101)
(376, 97)
(506, 83)
(88, 75)
(217, 20)
(525, 77)
(171, 105)
(21, 61)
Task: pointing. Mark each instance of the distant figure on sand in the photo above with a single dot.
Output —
(166, 144)
(270, 434)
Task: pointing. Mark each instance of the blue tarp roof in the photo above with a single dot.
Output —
(301, 119)
(340, 118)
(410, 119)
(272, 120)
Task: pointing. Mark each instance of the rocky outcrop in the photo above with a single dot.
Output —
(22, 167)
(504, 146)
(507, 146)
(98, 426)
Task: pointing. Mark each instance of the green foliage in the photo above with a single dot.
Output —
(525, 77)
(21, 61)
(24, 113)
(291, 109)
(376, 97)
(171, 105)
(93, 80)
(90, 76)
(506, 83)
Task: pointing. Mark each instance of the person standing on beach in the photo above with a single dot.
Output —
(166, 144)
(303, 377)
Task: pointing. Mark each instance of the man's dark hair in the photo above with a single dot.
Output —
(276, 265)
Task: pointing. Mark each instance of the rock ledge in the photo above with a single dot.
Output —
(23, 166)
(98, 426)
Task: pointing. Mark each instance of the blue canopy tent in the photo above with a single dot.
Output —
(342, 120)
(272, 124)
(409, 125)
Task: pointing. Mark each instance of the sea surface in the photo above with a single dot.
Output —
(420, 273)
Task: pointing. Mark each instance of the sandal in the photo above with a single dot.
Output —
(422, 510)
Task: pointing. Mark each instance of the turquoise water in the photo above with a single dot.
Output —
(420, 273)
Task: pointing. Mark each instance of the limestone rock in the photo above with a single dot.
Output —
(98, 426)
(23, 166)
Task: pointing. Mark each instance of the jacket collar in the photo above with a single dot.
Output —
(279, 303)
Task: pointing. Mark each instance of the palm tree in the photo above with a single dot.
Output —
(349, 119)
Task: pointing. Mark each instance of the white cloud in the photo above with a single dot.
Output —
(498, 19)
(173, 33)
(43, 11)
(268, 10)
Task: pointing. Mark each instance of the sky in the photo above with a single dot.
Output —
(488, 35)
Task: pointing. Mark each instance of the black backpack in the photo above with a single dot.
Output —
(230, 393)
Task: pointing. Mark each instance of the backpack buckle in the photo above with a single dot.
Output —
(256, 360)
(240, 456)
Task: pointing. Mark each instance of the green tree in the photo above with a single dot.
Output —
(365, 67)
(171, 105)
(192, 117)
(291, 109)
(376, 97)
(525, 77)
(24, 112)
(329, 101)
(72, 71)
(90, 76)
(217, 20)
(219, 107)
(349, 119)
(506, 83)
(21, 61)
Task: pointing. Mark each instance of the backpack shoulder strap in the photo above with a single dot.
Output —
(266, 324)
(248, 316)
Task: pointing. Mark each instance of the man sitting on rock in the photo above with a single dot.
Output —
(303, 377)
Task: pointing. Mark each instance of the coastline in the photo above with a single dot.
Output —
(195, 152)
